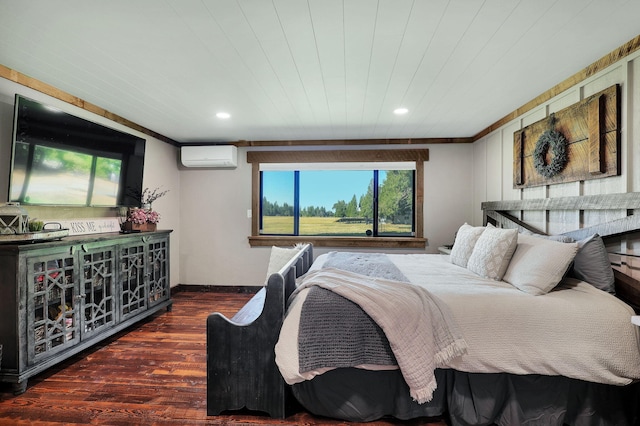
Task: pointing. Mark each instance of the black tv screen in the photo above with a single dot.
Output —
(60, 159)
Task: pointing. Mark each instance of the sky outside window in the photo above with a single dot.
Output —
(319, 188)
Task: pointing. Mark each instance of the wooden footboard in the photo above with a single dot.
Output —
(241, 369)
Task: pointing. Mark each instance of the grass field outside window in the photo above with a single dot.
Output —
(321, 226)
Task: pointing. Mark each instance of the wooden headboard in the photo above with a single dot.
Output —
(609, 215)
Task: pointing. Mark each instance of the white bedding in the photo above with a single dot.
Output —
(576, 330)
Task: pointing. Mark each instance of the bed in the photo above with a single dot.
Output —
(569, 353)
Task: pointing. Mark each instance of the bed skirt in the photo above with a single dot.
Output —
(471, 399)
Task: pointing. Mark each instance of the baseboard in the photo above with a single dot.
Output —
(248, 289)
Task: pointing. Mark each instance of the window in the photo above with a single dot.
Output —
(338, 198)
(337, 201)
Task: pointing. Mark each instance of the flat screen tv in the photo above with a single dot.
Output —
(64, 160)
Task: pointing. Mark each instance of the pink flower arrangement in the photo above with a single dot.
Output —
(153, 216)
(137, 216)
(142, 216)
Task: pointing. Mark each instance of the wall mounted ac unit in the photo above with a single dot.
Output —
(213, 156)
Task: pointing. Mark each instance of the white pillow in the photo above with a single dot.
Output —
(561, 238)
(539, 264)
(278, 258)
(466, 239)
(492, 252)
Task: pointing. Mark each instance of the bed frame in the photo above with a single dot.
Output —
(241, 369)
(508, 214)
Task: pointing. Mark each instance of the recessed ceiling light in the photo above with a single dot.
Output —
(400, 111)
(223, 115)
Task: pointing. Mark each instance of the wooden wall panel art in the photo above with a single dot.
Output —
(592, 132)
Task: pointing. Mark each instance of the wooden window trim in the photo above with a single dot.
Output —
(333, 156)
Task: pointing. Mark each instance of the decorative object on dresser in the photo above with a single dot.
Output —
(35, 225)
(13, 219)
(148, 196)
(61, 297)
(143, 219)
(16, 227)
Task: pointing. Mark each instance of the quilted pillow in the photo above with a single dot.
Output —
(592, 264)
(466, 238)
(539, 264)
(278, 258)
(492, 252)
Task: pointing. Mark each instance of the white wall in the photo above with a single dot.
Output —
(215, 226)
(160, 169)
(493, 156)
(449, 200)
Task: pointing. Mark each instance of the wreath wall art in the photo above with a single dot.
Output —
(580, 142)
(554, 141)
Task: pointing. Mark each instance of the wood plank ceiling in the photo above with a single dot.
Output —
(314, 69)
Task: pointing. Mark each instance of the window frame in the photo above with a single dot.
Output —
(419, 156)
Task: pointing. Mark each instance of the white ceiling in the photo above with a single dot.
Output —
(314, 69)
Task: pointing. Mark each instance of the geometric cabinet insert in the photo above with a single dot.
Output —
(580, 142)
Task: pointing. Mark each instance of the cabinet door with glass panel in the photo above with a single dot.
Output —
(158, 270)
(98, 279)
(53, 308)
(132, 288)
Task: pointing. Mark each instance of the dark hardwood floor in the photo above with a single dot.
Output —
(151, 374)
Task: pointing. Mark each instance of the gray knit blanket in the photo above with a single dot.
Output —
(370, 264)
(349, 319)
(335, 332)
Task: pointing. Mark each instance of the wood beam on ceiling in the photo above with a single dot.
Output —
(49, 90)
(330, 142)
(602, 63)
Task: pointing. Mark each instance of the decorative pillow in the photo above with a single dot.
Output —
(561, 238)
(492, 252)
(279, 257)
(539, 264)
(558, 238)
(592, 264)
(466, 238)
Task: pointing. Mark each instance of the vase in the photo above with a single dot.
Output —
(139, 227)
(13, 219)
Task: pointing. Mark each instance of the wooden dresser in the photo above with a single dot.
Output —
(58, 298)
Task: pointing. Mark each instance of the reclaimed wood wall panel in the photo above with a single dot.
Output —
(592, 130)
(597, 127)
(338, 156)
